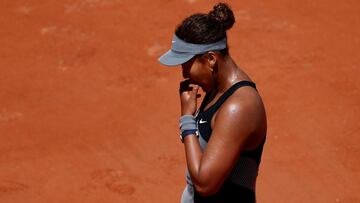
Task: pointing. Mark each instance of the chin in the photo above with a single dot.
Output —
(193, 82)
(207, 90)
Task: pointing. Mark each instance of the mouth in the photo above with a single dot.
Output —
(195, 83)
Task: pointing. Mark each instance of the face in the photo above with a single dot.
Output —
(199, 72)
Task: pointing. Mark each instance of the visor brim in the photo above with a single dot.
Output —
(172, 58)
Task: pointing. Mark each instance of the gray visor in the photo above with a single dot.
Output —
(182, 51)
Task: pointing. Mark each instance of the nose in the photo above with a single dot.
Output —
(185, 75)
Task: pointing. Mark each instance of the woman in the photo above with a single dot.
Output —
(224, 139)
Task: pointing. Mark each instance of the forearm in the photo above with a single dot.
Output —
(193, 155)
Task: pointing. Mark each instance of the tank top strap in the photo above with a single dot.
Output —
(230, 91)
(203, 104)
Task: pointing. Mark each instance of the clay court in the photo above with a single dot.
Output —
(87, 114)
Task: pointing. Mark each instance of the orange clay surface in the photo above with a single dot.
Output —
(88, 115)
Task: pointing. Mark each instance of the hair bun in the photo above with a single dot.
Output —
(223, 13)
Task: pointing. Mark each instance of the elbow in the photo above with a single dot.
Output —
(207, 182)
(207, 186)
(206, 190)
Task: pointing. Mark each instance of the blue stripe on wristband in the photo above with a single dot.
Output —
(187, 132)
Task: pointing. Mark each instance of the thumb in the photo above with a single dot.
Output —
(195, 89)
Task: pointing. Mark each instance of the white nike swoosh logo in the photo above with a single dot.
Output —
(201, 121)
(173, 42)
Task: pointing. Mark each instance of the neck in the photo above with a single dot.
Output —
(228, 74)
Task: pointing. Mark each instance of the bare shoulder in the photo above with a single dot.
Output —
(244, 113)
(245, 101)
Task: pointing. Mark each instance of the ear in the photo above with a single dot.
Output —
(211, 59)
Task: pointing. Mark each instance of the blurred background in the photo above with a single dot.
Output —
(87, 114)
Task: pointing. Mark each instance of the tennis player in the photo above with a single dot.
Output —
(224, 137)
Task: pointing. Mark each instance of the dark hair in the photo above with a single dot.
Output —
(207, 28)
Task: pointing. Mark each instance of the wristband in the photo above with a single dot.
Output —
(187, 126)
(187, 122)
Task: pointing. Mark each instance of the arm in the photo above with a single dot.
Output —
(233, 124)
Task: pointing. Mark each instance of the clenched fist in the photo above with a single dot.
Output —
(188, 96)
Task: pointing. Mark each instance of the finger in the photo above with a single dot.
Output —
(184, 86)
(187, 81)
(195, 89)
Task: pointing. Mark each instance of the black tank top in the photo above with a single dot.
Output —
(203, 118)
(229, 192)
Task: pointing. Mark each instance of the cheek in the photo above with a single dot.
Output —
(200, 74)
(196, 72)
